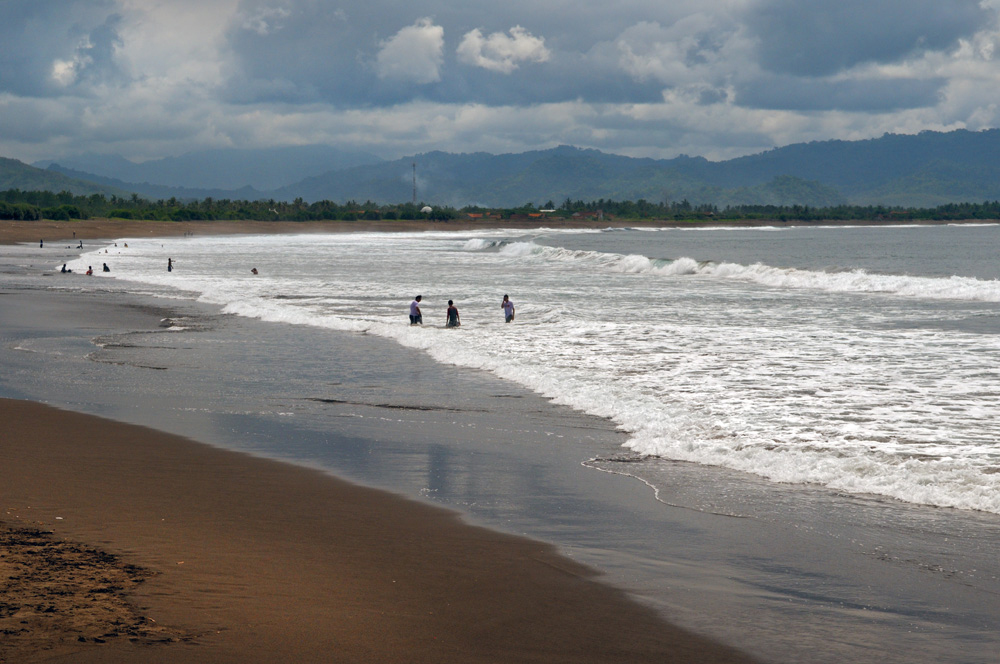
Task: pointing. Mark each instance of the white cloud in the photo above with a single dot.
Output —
(698, 49)
(265, 20)
(414, 54)
(178, 43)
(66, 72)
(500, 52)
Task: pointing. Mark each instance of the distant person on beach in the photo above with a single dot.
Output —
(80, 245)
(452, 320)
(90, 269)
(170, 265)
(253, 271)
(106, 268)
(41, 244)
(416, 318)
(508, 309)
(64, 270)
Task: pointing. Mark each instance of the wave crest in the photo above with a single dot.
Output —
(854, 281)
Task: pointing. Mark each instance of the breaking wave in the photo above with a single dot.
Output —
(852, 281)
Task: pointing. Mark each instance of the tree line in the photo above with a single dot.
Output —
(34, 205)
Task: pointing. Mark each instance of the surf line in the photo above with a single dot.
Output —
(591, 463)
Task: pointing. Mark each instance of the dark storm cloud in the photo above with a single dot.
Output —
(38, 36)
(312, 52)
(858, 95)
(99, 51)
(565, 77)
(706, 77)
(300, 55)
(821, 38)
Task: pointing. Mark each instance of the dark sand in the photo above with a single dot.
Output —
(126, 544)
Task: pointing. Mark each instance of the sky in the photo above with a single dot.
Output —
(147, 79)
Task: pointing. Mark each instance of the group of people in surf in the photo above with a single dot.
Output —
(90, 269)
(452, 318)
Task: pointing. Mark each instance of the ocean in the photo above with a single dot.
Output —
(864, 360)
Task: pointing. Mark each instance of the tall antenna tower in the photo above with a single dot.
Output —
(414, 183)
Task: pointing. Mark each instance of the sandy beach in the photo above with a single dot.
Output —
(61, 232)
(121, 543)
(125, 544)
(92, 229)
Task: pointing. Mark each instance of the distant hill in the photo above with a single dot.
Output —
(548, 176)
(161, 192)
(929, 168)
(222, 169)
(18, 175)
(923, 170)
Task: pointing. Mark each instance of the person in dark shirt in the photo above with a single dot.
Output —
(453, 320)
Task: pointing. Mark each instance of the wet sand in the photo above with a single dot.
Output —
(126, 544)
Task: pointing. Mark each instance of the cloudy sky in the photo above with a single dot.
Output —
(717, 78)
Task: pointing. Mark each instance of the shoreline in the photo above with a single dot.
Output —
(232, 558)
(13, 232)
(159, 548)
(786, 582)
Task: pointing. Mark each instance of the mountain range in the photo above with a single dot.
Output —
(221, 169)
(922, 170)
(18, 175)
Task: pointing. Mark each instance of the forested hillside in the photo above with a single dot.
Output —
(18, 175)
(929, 169)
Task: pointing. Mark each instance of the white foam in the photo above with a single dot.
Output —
(856, 281)
(521, 249)
(860, 281)
(762, 369)
(478, 244)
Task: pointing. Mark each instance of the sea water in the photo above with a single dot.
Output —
(863, 359)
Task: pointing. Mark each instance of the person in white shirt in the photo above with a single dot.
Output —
(416, 318)
(508, 309)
